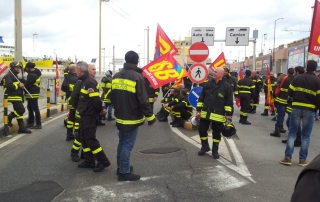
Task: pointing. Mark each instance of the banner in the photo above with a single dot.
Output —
(184, 73)
(219, 62)
(3, 67)
(314, 42)
(269, 99)
(57, 77)
(163, 70)
(240, 73)
(163, 44)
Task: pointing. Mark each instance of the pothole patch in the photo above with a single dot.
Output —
(161, 150)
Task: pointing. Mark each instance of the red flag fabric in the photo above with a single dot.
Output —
(240, 74)
(162, 71)
(314, 42)
(219, 62)
(3, 67)
(163, 44)
(238, 102)
(269, 99)
(57, 77)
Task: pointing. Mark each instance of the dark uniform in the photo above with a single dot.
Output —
(33, 86)
(89, 107)
(152, 93)
(15, 96)
(214, 103)
(187, 83)
(183, 109)
(273, 82)
(106, 83)
(165, 89)
(246, 90)
(255, 100)
(72, 79)
(165, 111)
(233, 83)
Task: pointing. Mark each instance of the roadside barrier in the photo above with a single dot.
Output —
(5, 114)
(62, 101)
(48, 102)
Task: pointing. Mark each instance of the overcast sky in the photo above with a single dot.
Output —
(71, 27)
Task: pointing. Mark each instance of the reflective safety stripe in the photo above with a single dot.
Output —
(199, 104)
(37, 83)
(227, 108)
(280, 100)
(157, 93)
(236, 92)
(108, 85)
(215, 140)
(94, 94)
(151, 117)
(243, 113)
(97, 150)
(14, 98)
(130, 122)
(242, 91)
(301, 104)
(304, 90)
(16, 84)
(33, 96)
(84, 91)
(71, 86)
(213, 116)
(288, 109)
(247, 87)
(86, 149)
(78, 115)
(283, 89)
(70, 124)
(203, 138)
(124, 84)
(266, 107)
(18, 116)
(75, 147)
(151, 99)
(77, 142)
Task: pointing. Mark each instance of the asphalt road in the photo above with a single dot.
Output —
(37, 166)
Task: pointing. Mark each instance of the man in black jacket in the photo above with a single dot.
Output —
(14, 88)
(183, 109)
(214, 106)
(33, 86)
(258, 85)
(246, 90)
(131, 108)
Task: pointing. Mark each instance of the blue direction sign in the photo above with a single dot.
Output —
(194, 95)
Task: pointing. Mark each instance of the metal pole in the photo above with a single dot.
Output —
(104, 59)
(18, 31)
(274, 43)
(100, 2)
(144, 48)
(148, 45)
(254, 56)
(113, 61)
(184, 54)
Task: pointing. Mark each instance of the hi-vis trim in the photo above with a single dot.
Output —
(304, 90)
(227, 108)
(301, 104)
(97, 150)
(213, 116)
(124, 84)
(130, 122)
(200, 104)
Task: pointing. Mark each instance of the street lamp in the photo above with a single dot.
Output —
(34, 43)
(262, 39)
(100, 2)
(274, 42)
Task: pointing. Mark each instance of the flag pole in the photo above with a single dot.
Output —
(20, 82)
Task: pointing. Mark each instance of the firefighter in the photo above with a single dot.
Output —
(209, 78)
(232, 81)
(131, 109)
(214, 106)
(167, 107)
(258, 85)
(106, 83)
(152, 93)
(164, 111)
(183, 109)
(165, 89)
(246, 88)
(89, 113)
(273, 81)
(33, 86)
(71, 79)
(14, 88)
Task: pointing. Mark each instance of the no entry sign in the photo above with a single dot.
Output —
(198, 52)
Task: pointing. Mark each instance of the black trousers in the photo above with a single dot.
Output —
(33, 109)
(216, 130)
(18, 110)
(255, 100)
(182, 113)
(90, 144)
(71, 118)
(77, 140)
(245, 100)
(151, 105)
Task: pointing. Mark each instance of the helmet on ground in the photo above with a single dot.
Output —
(228, 129)
(194, 122)
(16, 64)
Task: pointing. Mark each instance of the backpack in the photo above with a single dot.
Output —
(277, 91)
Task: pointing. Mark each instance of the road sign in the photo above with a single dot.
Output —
(194, 95)
(237, 36)
(203, 34)
(119, 61)
(198, 52)
(198, 73)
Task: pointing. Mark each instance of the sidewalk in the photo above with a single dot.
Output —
(42, 102)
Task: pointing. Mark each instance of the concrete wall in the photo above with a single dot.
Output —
(45, 78)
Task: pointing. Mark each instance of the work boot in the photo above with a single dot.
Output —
(282, 130)
(273, 113)
(179, 123)
(103, 118)
(274, 119)
(101, 166)
(70, 135)
(22, 129)
(276, 132)
(241, 118)
(82, 155)
(128, 177)
(118, 170)
(101, 123)
(75, 157)
(265, 113)
(245, 121)
(215, 148)
(36, 127)
(253, 110)
(10, 117)
(85, 164)
(162, 119)
(204, 148)
(284, 141)
(174, 121)
(110, 119)
(29, 125)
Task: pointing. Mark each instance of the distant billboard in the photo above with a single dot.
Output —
(310, 56)
(296, 57)
(262, 63)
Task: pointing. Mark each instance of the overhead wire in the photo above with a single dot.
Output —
(119, 8)
(119, 13)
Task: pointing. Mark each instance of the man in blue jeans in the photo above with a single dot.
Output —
(131, 107)
(305, 93)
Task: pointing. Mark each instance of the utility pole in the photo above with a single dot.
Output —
(113, 62)
(148, 45)
(18, 31)
(34, 43)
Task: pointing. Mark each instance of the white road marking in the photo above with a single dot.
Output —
(244, 173)
(23, 134)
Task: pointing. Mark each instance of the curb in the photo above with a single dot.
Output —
(43, 115)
